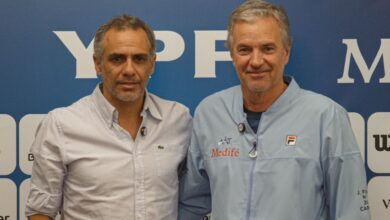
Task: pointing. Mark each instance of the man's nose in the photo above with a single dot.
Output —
(128, 67)
(257, 58)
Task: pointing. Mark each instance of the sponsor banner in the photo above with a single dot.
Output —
(340, 49)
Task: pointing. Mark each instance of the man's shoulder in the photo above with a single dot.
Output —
(320, 102)
(223, 96)
(219, 104)
(165, 105)
(65, 117)
(78, 109)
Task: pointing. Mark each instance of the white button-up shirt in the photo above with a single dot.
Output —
(88, 167)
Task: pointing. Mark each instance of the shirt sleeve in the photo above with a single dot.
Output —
(344, 170)
(45, 196)
(194, 194)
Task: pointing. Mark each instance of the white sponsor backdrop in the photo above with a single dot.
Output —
(341, 49)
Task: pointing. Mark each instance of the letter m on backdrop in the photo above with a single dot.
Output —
(353, 51)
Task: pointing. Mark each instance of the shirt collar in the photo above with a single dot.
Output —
(110, 114)
(105, 109)
(151, 106)
(286, 97)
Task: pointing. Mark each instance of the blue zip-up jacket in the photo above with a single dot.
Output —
(308, 166)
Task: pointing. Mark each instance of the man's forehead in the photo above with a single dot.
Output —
(114, 33)
(126, 39)
(255, 20)
(118, 54)
(267, 28)
(138, 36)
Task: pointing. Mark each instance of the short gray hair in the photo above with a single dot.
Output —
(122, 22)
(251, 10)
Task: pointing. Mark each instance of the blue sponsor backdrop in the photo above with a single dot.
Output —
(38, 71)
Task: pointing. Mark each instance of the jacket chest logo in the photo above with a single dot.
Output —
(224, 149)
(291, 140)
(225, 152)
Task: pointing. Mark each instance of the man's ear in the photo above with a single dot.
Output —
(287, 57)
(97, 63)
(231, 56)
(153, 63)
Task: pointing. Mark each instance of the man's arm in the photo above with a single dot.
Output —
(48, 171)
(345, 176)
(39, 217)
(194, 194)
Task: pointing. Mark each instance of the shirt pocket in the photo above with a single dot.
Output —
(167, 161)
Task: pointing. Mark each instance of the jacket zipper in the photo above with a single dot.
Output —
(248, 211)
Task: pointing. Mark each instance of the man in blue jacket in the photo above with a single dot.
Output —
(268, 149)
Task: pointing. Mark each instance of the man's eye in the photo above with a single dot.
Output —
(117, 59)
(243, 50)
(140, 58)
(269, 49)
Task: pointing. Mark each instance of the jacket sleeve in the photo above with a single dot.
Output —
(344, 170)
(45, 196)
(194, 194)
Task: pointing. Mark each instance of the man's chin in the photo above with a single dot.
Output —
(258, 88)
(129, 96)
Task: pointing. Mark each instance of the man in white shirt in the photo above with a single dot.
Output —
(114, 154)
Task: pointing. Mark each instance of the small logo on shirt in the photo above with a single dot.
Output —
(160, 147)
(225, 140)
(291, 140)
(226, 152)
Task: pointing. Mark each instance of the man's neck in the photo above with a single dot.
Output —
(129, 114)
(261, 101)
(129, 117)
